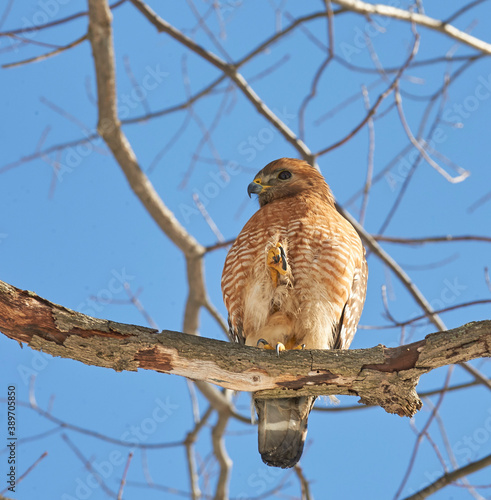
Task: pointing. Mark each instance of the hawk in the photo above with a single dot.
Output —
(294, 278)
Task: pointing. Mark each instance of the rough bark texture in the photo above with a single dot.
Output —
(379, 376)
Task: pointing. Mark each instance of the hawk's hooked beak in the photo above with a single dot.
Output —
(255, 187)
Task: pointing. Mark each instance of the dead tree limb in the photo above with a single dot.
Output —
(368, 9)
(379, 375)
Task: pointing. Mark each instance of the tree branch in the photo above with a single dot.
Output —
(379, 376)
(416, 18)
(231, 71)
(109, 127)
(420, 299)
(450, 477)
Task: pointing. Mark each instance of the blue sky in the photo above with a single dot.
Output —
(82, 235)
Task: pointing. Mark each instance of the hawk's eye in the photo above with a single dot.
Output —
(284, 175)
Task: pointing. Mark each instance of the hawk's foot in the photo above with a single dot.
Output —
(264, 344)
(276, 261)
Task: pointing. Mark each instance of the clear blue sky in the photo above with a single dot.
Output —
(82, 235)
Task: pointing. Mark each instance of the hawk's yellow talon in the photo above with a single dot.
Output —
(279, 347)
(276, 261)
(263, 344)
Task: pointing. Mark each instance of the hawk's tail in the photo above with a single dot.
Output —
(282, 429)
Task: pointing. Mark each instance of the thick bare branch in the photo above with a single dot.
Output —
(416, 18)
(224, 461)
(420, 299)
(109, 127)
(380, 376)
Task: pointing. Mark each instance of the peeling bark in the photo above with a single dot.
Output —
(379, 375)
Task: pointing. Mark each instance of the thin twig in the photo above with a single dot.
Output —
(209, 220)
(377, 103)
(463, 173)
(88, 465)
(6, 12)
(479, 202)
(450, 452)
(206, 131)
(230, 71)
(39, 27)
(319, 72)
(422, 434)
(371, 150)
(61, 424)
(430, 239)
(42, 57)
(28, 470)
(137, 303)
(462, 10)
(304, 484)
(220, 244)
(134, 83)
(189, 444)
(487, 278)
(450, 477)
(125, 473)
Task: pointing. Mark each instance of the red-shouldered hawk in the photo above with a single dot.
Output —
(295, 277)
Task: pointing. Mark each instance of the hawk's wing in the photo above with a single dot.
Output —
(353, 308)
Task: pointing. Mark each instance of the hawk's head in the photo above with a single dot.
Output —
(288, 177)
